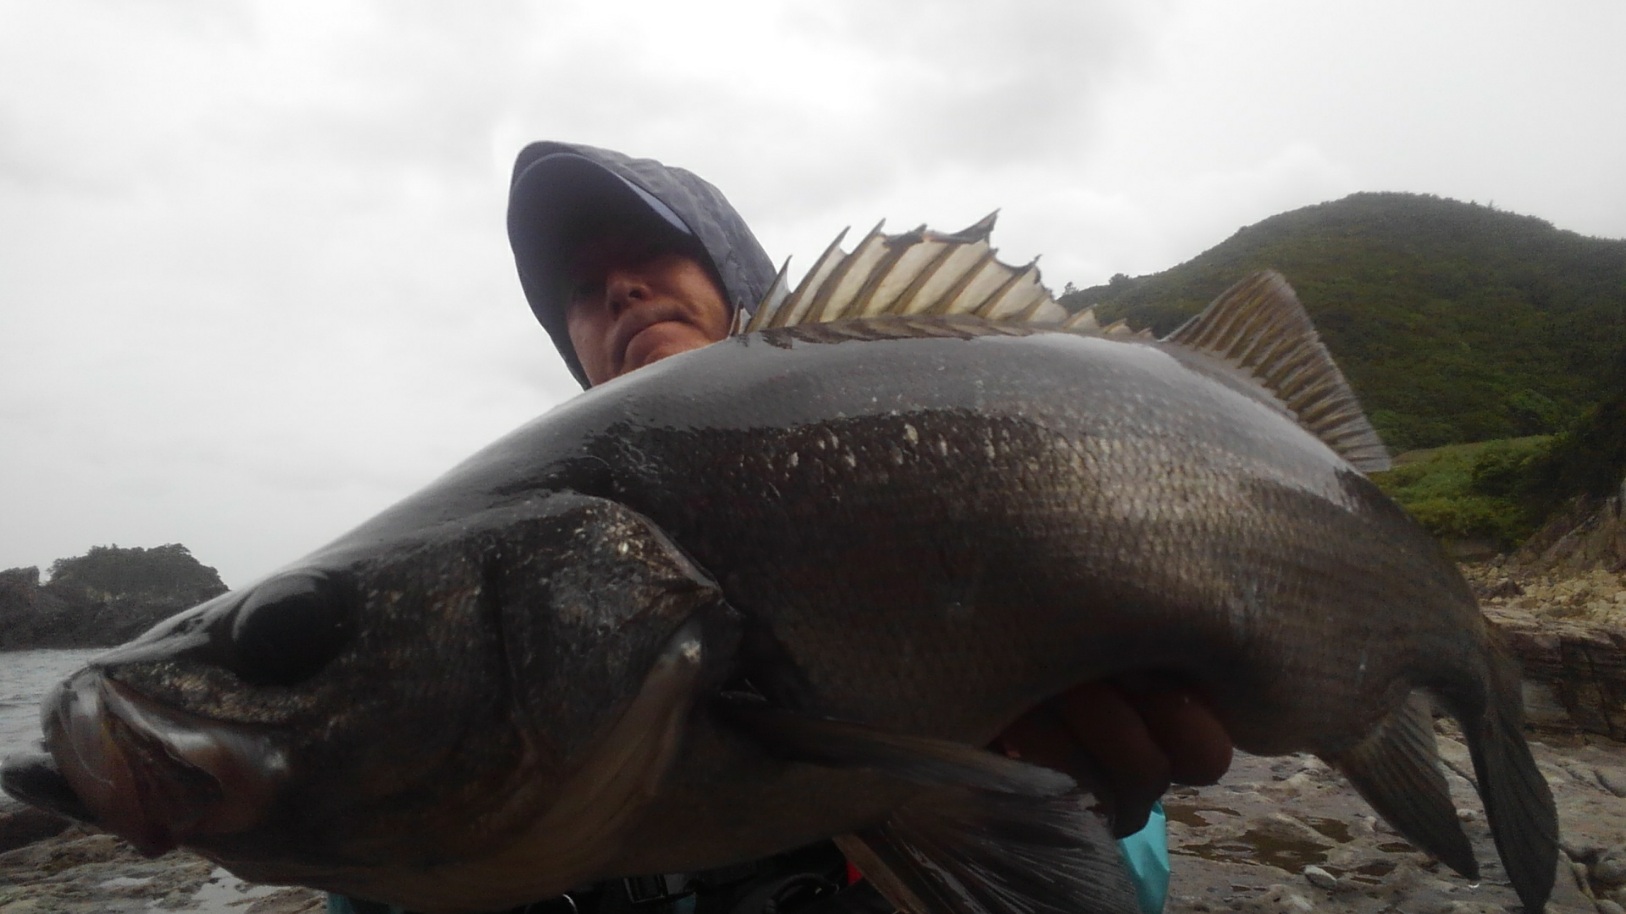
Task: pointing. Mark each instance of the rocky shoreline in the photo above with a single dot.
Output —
(1278, 835)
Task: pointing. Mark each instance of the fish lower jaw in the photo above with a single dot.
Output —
(156, 777)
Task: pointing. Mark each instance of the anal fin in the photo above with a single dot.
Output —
(1397, 770)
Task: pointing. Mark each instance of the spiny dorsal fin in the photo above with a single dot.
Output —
(1259, 327)
(788, 310)
(916, 272)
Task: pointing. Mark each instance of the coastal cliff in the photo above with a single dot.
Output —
(102, 598)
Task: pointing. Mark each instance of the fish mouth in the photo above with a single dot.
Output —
(150, 774)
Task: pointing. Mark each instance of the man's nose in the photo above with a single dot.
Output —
(623, 286)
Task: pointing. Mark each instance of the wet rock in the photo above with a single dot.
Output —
(1614, 779)
(1231, 843)
(1609, 871)
(1579, 851)
(1544, 708)
(79, 871)
(1582, 663)
(22, 824)
(1282, 899)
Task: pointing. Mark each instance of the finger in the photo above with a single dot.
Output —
(1188, 732)
(1042, 738)
(1100, 717)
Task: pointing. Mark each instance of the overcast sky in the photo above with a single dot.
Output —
(254, 285)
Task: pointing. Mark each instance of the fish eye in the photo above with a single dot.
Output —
(289, 628)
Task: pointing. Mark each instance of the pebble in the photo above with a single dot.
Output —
(1288, 830)
(1610, 870)
(1614, 779)
(1605, 906)
(1282, 898)
(1583, 851)
(1320, 878)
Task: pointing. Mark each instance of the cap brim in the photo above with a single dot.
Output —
(556, 200)
(558, 196)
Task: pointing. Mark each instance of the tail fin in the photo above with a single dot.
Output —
(1517, 800)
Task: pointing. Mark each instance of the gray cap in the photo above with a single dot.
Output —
(560, 192)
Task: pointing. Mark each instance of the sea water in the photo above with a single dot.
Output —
(25, 678)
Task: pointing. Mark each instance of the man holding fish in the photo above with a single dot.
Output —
(626, 262)
(753, 594)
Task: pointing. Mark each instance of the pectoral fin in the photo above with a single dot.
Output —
(994, 836)
(980, 852)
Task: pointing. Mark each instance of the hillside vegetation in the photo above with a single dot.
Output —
(1498, 493)
(1470, 493)
(1454, 322)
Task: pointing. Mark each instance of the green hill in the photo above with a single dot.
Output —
(1455, 322)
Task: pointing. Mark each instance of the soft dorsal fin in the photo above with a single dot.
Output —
(1259, 327)
(918, 272)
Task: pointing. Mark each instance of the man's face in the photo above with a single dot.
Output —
(636, 296)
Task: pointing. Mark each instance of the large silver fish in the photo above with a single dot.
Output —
(782, 588)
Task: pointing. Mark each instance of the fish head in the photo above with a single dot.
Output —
(391, 711)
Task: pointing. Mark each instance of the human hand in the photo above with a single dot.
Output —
(1133, 737)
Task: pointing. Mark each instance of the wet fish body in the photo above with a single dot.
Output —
(776, 590)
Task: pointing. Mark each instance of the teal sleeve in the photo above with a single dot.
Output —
(338, 904)
(1146, 853)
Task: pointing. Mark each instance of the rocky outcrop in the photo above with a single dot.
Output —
(1569, 634)
(30, 616)
(103, 598)
(1588, 533)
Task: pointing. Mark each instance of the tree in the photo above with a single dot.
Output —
(113, 572)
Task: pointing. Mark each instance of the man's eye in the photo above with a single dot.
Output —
(582, 290)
